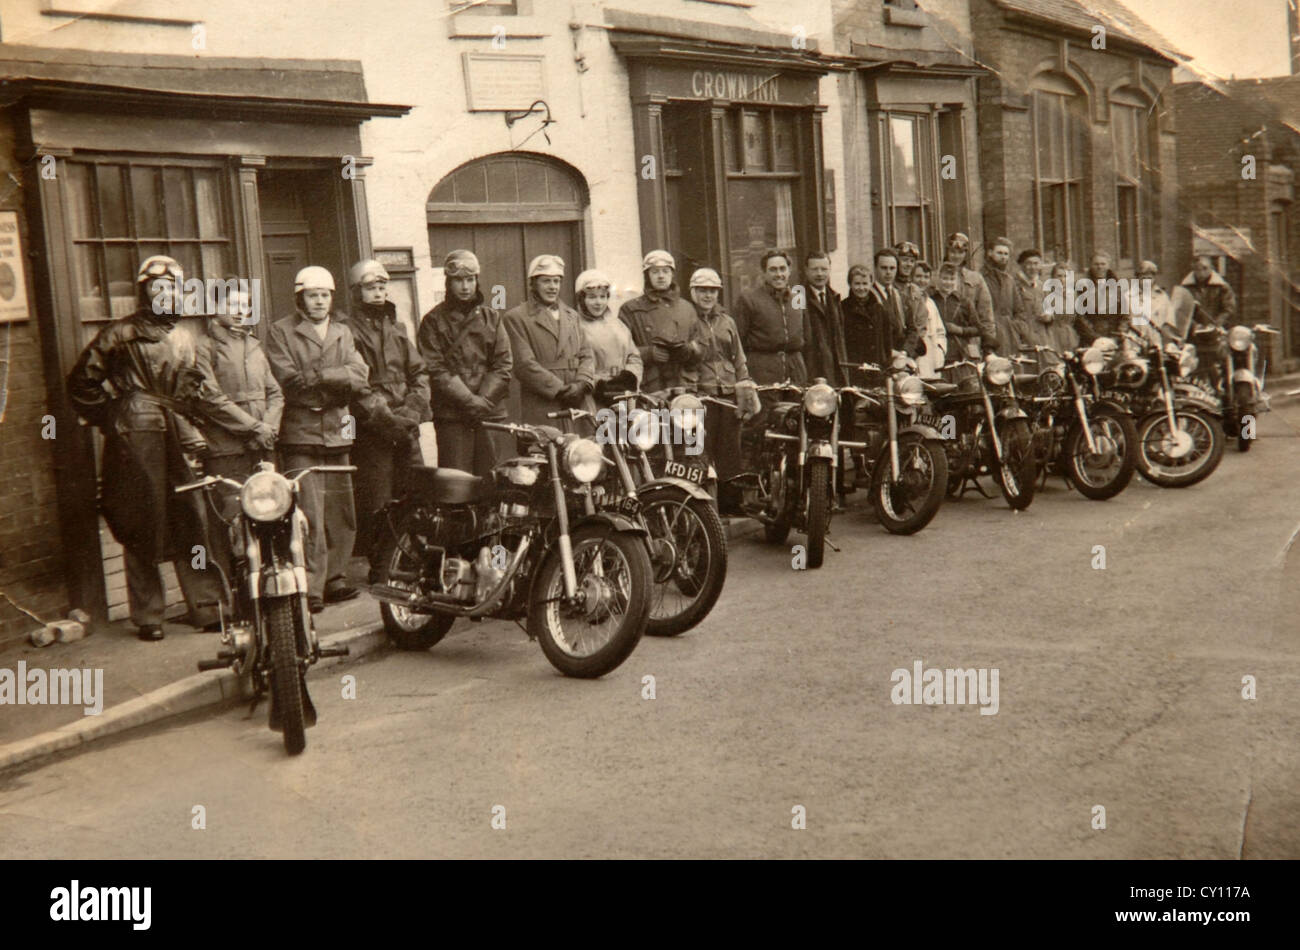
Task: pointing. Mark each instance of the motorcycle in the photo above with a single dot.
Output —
(265, 621)
(989, 439)
(1236, 384)
(1090, 438)
(688, 546)
(1179, 438)
(527, 542)
(902, 450)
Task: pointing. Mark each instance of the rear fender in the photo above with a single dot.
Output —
(1186, 394)
(924, 431)
(611, 520)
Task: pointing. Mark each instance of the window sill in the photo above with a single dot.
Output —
(157, 12)
(486, 27)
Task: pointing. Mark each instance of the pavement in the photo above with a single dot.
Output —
(145, 683)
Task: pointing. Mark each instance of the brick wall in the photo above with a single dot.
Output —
(31, 559)
(1015, 54)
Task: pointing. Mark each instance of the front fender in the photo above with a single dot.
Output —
(672, 481)
(611, 519)
(1012, 412)
(1109, 404)
(820, 450)
(924, 431)
(1186, 394)
(283, 581)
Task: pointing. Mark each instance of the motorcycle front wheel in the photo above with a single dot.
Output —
(1107, 473)
(1018, 474)
(1245, 398)
(600, 629)
(1198, 435)
(685, 589)
(285, 676)
(399, 565)
(909, 504)
(819, 510)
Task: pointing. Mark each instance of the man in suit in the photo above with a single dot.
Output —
(824, 352)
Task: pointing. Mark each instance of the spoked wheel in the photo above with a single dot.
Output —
(819, 510)
(1107, 472)
(1183, 456)
(599, 629)
(1017, 475)
(689, 559)
(401, 561)
(285, 674)
(908, 505)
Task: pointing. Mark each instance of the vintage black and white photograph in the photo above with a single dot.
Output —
(674, 429)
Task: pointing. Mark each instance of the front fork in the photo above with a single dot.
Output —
(894, 467)
(993, 422)
(1082, 410)
(562, 516)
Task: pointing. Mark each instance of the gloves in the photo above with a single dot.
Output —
(481, 408)
(408, 417)
(572, 395)
(336, 378)
(691, 352)
(659, 353)
(263, 438)
(388, 426)
(748, 404)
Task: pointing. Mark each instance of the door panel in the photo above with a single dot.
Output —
(286, 254)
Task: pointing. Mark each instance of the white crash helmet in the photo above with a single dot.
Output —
(592, 278)
(658, 259)
(546, 265)
(313, 278)
(706, 277)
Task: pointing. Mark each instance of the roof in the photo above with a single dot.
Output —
(1276, 98)
(1111, 14)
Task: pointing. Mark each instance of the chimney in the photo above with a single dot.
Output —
(1293, 33)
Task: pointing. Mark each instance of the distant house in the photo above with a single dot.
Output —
(1238, 150)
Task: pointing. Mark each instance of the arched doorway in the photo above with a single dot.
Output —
(507, 209)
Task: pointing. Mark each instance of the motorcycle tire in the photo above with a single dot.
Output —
(1245, 396)
(819, 511)
(705, 546)
(406, 629)
(1075, 452)
(912, 448)
(1152, 431)
(1018, 478)
(625, 600)
(285, 676)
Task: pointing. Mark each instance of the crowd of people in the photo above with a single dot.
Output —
(348, 386)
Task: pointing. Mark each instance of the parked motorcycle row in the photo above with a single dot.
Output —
(591, 544)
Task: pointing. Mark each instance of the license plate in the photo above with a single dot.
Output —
(622, 505)
(692, 473)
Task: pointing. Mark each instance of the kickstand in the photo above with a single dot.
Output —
(969, 482)
(252, 708)
(831, 544)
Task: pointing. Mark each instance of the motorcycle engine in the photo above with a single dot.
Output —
(458, 579)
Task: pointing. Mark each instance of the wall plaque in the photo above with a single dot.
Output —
(501, 82)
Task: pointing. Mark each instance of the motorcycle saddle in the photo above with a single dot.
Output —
(938, 388)
(449, 486)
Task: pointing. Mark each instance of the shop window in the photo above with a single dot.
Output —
(119, 212)
(763, 188)
(1134, 181)
(1061, 148)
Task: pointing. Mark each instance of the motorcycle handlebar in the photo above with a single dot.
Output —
(206, 482)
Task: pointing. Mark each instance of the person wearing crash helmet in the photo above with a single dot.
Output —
(466, 350)
(664, 327)
(618, 360)
(554, 367)
(326, 393)
(387, 441)
(139, 382)
(725, 374)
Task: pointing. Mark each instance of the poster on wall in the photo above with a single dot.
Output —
(13, 283)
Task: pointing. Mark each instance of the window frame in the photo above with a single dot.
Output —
(1141, 188)
(1073, 183)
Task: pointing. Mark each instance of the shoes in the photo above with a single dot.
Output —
(339, 590)
(315, 604)
(212, 626)
(150, 632)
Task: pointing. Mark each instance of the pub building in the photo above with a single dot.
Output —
(729, 127)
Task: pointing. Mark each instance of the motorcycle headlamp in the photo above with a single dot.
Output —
(1187, 360)
(911, 391)
(998, 371)
(902, 363)
(1106, 346)
(642, 429)
(1094, 360)
(266, 496)
(584, 459)
(686, 411)
(1240, 338)
(820, 400)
